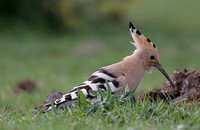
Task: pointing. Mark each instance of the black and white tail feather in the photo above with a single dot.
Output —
(96, 81)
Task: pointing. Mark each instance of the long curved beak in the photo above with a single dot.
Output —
(160, 68)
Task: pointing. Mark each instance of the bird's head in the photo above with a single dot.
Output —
(147, 52)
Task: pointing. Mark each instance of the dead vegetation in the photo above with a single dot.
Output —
(187, 88)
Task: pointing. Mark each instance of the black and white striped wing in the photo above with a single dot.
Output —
(96, 81)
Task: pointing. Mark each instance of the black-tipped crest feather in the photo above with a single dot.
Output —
(138, 32)
(131, 27)
(148, 40)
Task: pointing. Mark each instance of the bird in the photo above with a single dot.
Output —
(129, 72)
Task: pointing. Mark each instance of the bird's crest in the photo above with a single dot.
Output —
(140, 40)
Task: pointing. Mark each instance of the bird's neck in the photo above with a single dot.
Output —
(134, 70)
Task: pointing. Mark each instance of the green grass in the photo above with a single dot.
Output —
(109, 114)
(51, 60)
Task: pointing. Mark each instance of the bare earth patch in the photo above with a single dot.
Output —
(187, 88)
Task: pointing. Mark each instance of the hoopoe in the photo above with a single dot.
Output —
(129, 72)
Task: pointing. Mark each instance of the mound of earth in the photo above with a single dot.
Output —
(187, 88)
(25, 85)
(52, 98)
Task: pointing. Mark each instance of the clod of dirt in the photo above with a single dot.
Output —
(187, 88)
(51, 98)
(25, 85)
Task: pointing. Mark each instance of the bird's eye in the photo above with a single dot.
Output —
(152, 57)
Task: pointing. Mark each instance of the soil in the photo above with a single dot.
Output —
(25, 85)
(187, 88)
(52, 98)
